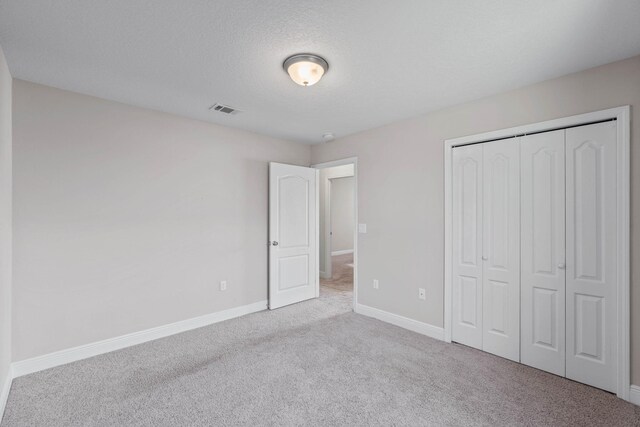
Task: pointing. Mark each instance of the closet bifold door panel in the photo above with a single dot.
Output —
(486, 247)
(591, 255)
(537, 246)
(501, 248)
(467, 245)
(543, 261)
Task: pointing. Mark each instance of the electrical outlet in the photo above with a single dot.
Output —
(422, 294)
(223, 285)
(376, 284)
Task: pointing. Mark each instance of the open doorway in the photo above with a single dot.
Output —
(338, 229)
(312, 252)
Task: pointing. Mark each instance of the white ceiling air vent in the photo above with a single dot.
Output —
(221, 108)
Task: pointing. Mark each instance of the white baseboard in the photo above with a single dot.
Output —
(634, 394)
(4, 393)
(344, 252)
(403, 322)
(63, 357)
(324, 275)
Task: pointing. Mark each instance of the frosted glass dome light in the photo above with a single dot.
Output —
(305, 69)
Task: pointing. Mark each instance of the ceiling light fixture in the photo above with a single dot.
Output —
(305, 69)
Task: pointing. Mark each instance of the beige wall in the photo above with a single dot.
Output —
(342, 214)
(127, 219)
(400, 184)
(5, 220)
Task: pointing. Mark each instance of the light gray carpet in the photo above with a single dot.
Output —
(313, 363)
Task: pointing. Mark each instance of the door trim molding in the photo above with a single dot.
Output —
(341, 162)
(622, 116)
(4, 392)
(634, 394)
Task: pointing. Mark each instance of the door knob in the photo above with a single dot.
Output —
(274, 243)
(484, 258)
(561, 266)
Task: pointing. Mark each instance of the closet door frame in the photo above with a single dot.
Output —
(622, 117)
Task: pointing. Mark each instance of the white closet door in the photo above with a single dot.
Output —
(467, 245)
(543, 251)
(501, 248)
(591, 255)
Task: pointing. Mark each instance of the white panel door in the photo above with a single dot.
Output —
(501, 249)
(467, 246)
(543, 251)
(591, 255)
(293, 253)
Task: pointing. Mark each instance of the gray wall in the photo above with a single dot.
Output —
(342, 214)
(127, 219)
(5, 220)
(401, 186)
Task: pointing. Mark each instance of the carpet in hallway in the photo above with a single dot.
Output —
(342, 273)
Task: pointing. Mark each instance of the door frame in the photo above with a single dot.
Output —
(341, 162)
(622, 117)
(327, 268)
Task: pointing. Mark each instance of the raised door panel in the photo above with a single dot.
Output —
(591, 255)
(543, 251)
(501, 248)
(467, 246)
(293, 211)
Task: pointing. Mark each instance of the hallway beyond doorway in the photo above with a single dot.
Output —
(342, 274)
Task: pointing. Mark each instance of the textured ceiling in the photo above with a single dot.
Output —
(388, 59)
